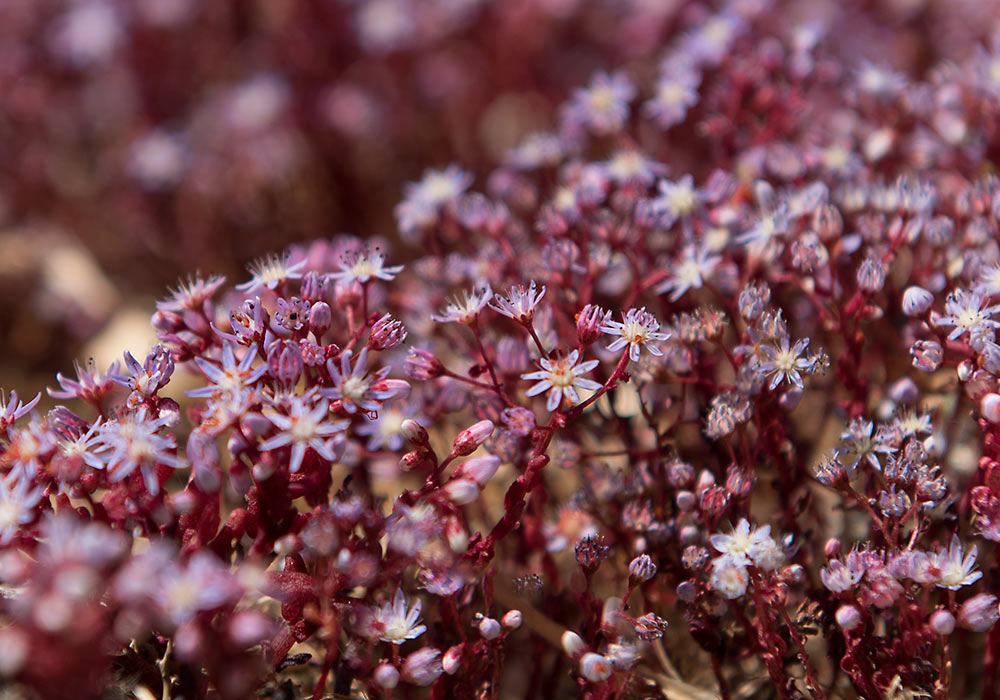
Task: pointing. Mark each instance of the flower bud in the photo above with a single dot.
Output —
(386, 676)
(386, 333)
(452, 659)
(423, 365)
(314, 288)
(458, 538)
(979, 612)
(904, 391)
(832, 548)
(827, 222)
(942, 622)
(461, 492)
(611, 615)
(848, 616)
(423, 666)
(414, 432)
(471, 438)
(686, 500)
(641, 569)
(589, 322)
(479, 469)
(916, 301)
(320, 318)
(415, 459)
(512, 619)
(489, 628)
(706, 480)
(927, 355)
(871, 274)
(989, 407)
(572, 644)
(594, 667)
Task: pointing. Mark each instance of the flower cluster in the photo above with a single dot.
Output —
(744, 277)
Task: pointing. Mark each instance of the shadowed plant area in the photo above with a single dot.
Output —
(661, 361)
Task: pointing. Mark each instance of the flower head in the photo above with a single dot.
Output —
(363, 265)
(638, 329)
(305, 426)
(270, 271)
(466, 309)
(784, 362)
(520, 303)
(394, 623)
(354, 387)
(956, 569)
(561, 378)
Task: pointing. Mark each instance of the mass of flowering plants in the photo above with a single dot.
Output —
(691, 394)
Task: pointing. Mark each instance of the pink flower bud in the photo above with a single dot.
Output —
(414, 432)
(489, 628)
(572, 644)
(589, 322)
(391, 387)
(916, 301)
(942, 622)
(423, 666)
(471, 438)
(386, 676)
(641, 569)
(832, 548)
(512, 619)
(423, 365)
(458, 538)
(594, 667)
(461, 492)
(989, 407)
(611, 615)
(386, 333)
(979, 612)
(848, 616)
(452, 659)
(686, 500)
(320, 318)
(415, 459)
(479, 469)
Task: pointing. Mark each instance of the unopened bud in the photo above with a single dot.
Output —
(320, 318)
(489, 628)
(414, 432)
(916, 301)
(942, 622)
(415, 459)
(386, 333)
(589, 322)
(461, 492)
(512, 620)
(479, 469)
(832, 548)
(452, 659)
(871, 274)
(572, 644)
(594, 667)
(471, 438)
(927, 355)
(848, 616)
(458, 538)
(989, 407)
(979, 612)
(386, 676)
(641, 569)
(423, 365)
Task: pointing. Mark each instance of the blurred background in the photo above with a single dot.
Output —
(144, 140)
